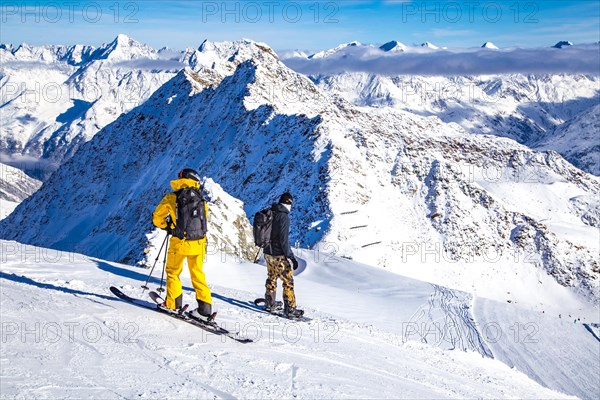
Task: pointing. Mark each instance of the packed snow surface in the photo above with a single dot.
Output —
(373, 334)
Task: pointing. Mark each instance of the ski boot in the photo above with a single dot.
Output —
(209, 319)
(274, 308)
(180, 311)
(203, 313)
(293, 313)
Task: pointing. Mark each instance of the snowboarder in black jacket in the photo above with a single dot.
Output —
(278, 255)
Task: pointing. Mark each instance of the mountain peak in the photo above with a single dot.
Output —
(225, 46)
(393, 46)
(489, 45)
(225, 56)
(430, 45)
(6, 46)
(123, 39)
(124, 48)
(327, 53)
(563, 43)
(23, 47)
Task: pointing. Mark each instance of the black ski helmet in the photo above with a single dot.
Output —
(286, 198)
(189, 174)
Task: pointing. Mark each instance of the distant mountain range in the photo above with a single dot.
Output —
(392, 46)
(529, 108)
(58, 97)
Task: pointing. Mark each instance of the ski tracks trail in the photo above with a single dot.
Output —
(447, 321)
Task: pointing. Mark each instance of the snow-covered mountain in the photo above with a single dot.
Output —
(335, 51)
(489, 45)
(55, 98)
(15, 186)
(393, 46)
(124, 48)
(523, 106)
(526, 108)
(430, 46)
(382, 186)
(230, 231)
(347, 49)
(563, 43)
(72, 55)
(577, 140)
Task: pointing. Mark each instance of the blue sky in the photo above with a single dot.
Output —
(305, 25)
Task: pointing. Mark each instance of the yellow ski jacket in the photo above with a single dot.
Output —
(166, 208)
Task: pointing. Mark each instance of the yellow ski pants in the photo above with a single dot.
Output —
(174, 288)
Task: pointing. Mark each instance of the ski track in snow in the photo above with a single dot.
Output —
(155, 356)
(459, 330)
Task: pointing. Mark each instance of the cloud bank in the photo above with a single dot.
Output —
(582, 59)
(152, 64)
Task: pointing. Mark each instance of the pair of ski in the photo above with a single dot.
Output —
(208, 325)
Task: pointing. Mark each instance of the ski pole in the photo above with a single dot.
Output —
(257, 253)
(162, 277)
(145, 285)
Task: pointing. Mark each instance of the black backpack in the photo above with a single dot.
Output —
(262, 226)
(191, 214)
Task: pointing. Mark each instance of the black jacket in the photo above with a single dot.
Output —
(280, 239)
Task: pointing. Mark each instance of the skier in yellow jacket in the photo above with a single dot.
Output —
(185, 207)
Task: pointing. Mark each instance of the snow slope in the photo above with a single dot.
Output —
(65, 335)
(531, 339)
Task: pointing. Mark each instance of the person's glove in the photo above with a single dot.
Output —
(169, 227)
(294, 263)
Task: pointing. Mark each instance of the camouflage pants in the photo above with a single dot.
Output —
(279, 267)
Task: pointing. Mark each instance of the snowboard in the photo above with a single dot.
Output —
(278, 310)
